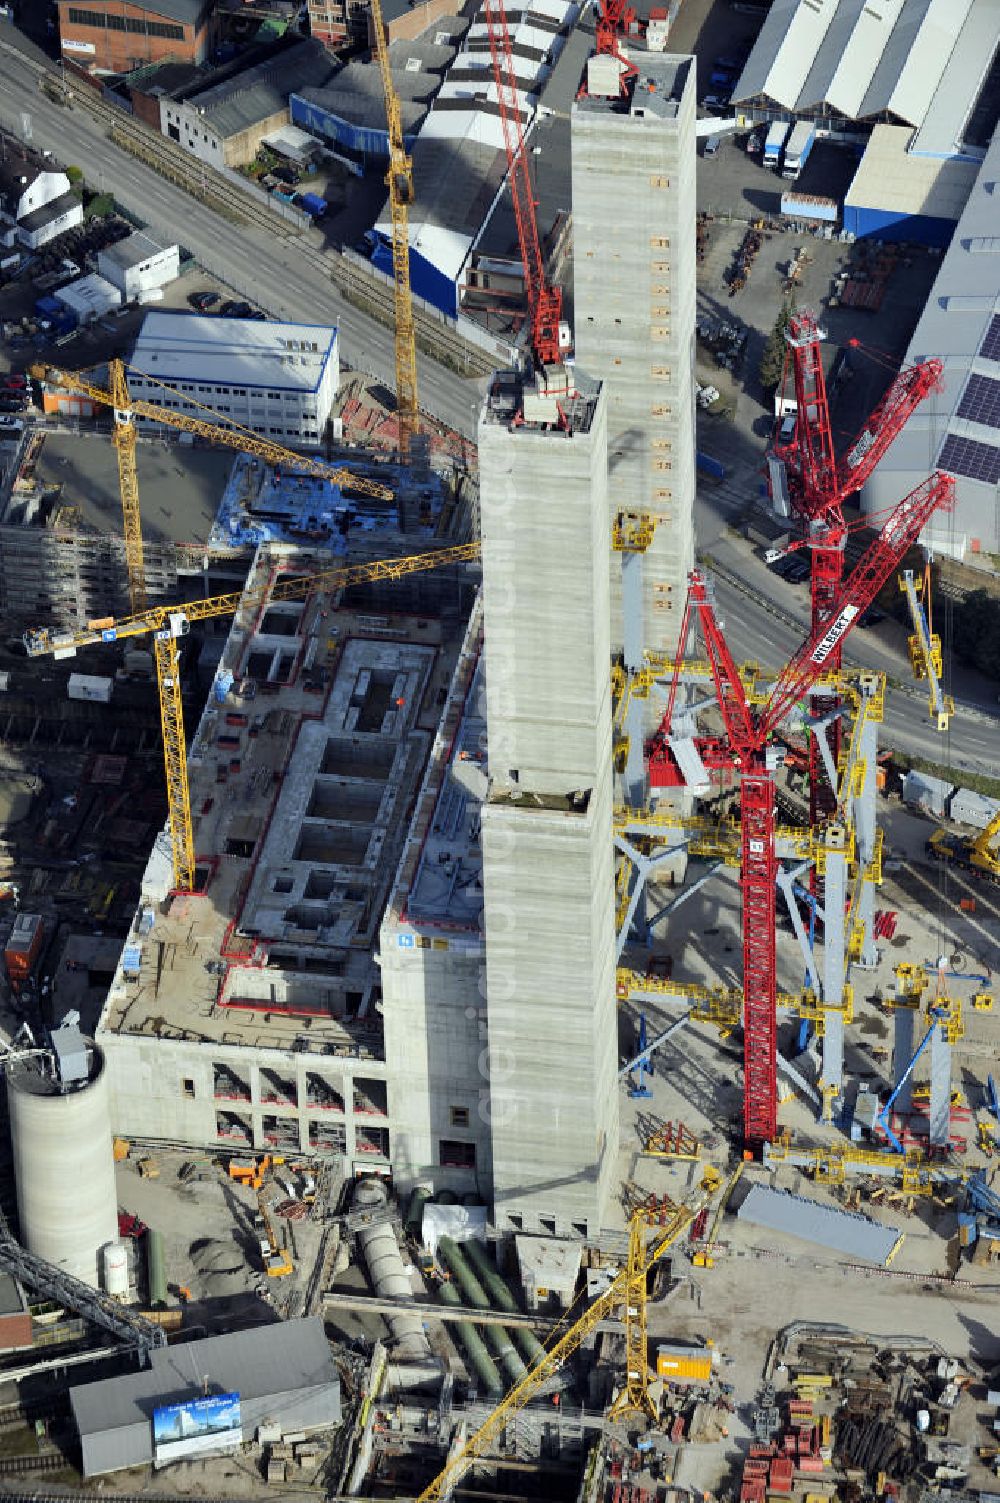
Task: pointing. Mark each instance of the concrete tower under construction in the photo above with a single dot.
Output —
(546, 820)
(634, 266)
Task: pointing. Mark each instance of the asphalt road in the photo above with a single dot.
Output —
(265, 267)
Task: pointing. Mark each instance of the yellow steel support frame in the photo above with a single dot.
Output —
(552, 1360)
(168, 677)
(128, 484)
(231, 436)
(399, 181)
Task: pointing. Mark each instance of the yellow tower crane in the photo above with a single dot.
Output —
(168, 622)
(399, 181)
(230, 436)
(628, 1289)
(128, 481)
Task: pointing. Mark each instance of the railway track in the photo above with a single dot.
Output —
(365, 289)
(20, 1466)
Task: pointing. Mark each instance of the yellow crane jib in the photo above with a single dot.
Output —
(399, 181)
(167, 623)
(924, 645)
(222, 431)
(623, 1289)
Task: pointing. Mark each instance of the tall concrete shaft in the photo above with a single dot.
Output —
(634, 265)
(547, 836)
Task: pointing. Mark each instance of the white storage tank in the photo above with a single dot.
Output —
(116, 1269)
(60, 1129)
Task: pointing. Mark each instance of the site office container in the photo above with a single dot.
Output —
(23, 948)
(684, 1364)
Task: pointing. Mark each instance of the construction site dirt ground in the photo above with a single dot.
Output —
(211, 1245)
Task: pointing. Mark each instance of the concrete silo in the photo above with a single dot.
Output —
(60, 1128)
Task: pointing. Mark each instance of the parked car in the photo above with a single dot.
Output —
(712, 146)
(15, 382)
(257, 315)
(236, 310)
(798, 570)
(729, 62)
(715, 104)
(203, 300)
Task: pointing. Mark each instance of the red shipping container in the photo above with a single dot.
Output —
(810, 1463)
(23, 947)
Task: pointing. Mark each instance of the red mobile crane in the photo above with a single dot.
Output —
(544, 299)
(745, 748)
(819, 483)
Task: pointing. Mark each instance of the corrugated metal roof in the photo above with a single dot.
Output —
(953, 326)
(858, 59)
(970, 61)
(247, 98)
(278, 1358)
(841, 1231)
(914, 58)
(459, 161)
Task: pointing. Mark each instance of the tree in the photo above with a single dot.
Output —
(772, 361)
(75, 175)
(976, 632)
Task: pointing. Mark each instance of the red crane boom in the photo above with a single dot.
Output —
(544, 299)
(819, 483)
(746, 740)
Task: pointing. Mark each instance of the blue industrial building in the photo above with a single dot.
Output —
(901, 195)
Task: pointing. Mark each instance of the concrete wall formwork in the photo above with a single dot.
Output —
(64, 1169)
(634, 303)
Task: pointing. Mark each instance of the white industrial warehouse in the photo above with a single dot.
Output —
(958, 429)
(918, 62)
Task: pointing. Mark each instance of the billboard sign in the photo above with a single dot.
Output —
(197, 1427)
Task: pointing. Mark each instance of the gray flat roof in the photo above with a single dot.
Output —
(278, 1358)
(133, 250)
(241, 352)
(841, 1231)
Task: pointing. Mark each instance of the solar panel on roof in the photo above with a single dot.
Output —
(981, 401)
(963, 456)
(990, 347)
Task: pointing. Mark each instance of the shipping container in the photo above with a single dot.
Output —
(23, 948)
(809, 206)
(710, 466)
(968, 808)
(684, 1364)
(90, 686)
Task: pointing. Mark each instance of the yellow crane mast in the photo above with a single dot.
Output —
(628, 1289)
(232, 437)
(169, 622)
(128, 481)
(399, 181)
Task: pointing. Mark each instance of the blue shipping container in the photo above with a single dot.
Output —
(710, 466)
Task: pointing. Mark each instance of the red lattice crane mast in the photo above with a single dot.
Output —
(544, 299)
(745, 750)
(819, 483)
